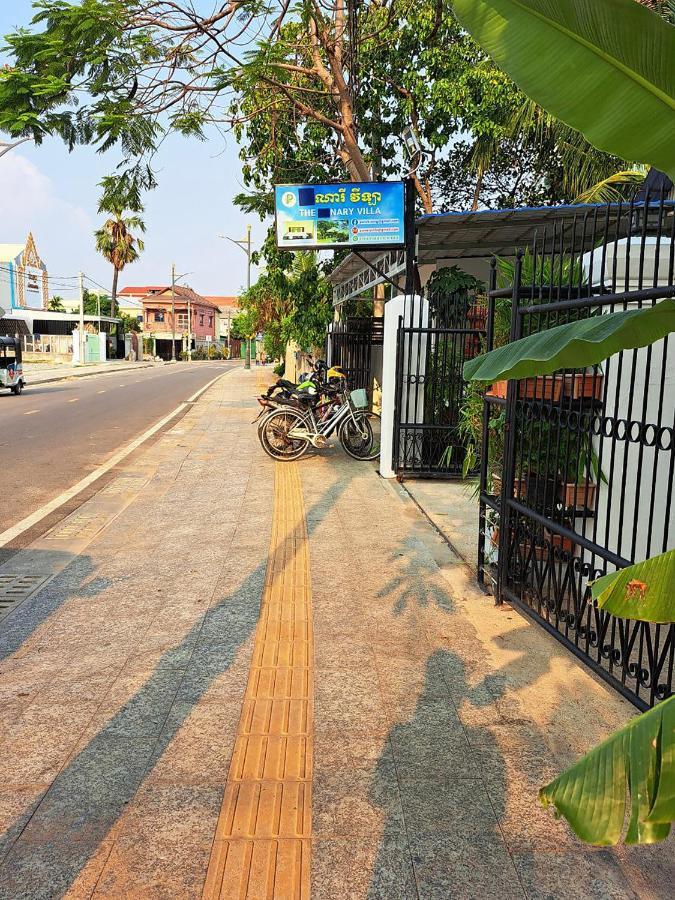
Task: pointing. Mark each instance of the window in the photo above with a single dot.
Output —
(210, 320)
(159, 315)
(182, 320)
(201, 318)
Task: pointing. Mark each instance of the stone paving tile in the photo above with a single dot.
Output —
(164, 847)
(465, 866)
(352, 869)
(357, 802)
(586, 874)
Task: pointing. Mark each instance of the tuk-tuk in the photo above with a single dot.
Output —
(11, 367)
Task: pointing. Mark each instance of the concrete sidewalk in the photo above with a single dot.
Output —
(41, 373)
(245, 679)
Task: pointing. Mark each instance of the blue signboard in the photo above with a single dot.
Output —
(367, 214)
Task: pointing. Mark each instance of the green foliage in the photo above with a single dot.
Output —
(210, 352)
(576, 345)
(606, 71)
(613, 188)
(290, 301)
(129, 323)
(643, 591)
(56, 304)
(453, 280)
(95, 304)
(639, 758)
(124, 73)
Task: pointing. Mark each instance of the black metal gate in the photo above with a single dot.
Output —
(435, 338)
(349, 343)
(581, 480)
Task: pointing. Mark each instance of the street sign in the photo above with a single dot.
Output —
(366, 215)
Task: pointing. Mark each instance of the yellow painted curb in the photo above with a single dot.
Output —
(262, 842)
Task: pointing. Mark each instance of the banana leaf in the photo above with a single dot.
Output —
(575, 345)
(645, 591)
(604, 67)
(639, 760)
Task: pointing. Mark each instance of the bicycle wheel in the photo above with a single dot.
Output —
(359, 438)
(274, 437)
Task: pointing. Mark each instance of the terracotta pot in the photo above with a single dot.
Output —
(578, 496)
(560, 542)
(585, 386)
(498, 389)
(519, 487)
(542, 387)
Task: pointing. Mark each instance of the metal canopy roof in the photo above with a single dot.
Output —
(488, 232)
(475, 235)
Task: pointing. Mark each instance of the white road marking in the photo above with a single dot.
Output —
(100, 392)
(11, 533)
(31, 412)
(74, 400)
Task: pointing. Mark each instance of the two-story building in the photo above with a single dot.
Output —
(228, 307)
(195, 320)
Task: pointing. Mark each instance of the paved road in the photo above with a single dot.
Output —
(55, 434)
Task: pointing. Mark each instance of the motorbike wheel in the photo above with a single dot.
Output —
(17, 388)
(273, 434)
(361, 440)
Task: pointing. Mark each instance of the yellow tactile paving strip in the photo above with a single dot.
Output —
(262, 842)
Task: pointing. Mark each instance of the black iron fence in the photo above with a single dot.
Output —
(436, 336)
(579, 479)
(349, 344)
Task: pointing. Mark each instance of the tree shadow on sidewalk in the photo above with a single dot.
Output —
(414, 581)
(74, 579)
(90, 794)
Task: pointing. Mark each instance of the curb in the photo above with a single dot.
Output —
(32, 380)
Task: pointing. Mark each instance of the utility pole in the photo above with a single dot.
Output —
(229, 327)
(173, 312)
(246, 247)
(247, 364)
(189, 328)
(81, 323)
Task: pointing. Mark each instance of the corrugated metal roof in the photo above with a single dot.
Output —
(488, 232)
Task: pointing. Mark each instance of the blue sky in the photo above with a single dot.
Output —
(54, 193)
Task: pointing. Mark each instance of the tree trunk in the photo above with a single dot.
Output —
(113, 296)
(476, 193)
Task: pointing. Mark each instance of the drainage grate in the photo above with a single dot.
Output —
(15, 588)
(83, 525)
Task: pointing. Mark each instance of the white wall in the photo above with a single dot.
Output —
(634, 393)
(414, 315)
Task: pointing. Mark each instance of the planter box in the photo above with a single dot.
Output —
(547, 387)
(584, 386)
(578, 496)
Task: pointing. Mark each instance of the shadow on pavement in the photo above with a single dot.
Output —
(91, 792)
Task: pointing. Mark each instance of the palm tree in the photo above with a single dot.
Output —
(56, 304)
(116, 241)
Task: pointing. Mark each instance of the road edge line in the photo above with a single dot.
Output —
(17, 530)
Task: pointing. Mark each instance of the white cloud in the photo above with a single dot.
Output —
(29, 198)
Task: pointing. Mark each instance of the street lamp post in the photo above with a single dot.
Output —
(173, 312)
(245, 245)
(5, 146)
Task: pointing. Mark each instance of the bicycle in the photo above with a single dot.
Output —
(287, 433)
